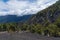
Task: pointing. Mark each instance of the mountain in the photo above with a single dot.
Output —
(13, 18)
(49, 14)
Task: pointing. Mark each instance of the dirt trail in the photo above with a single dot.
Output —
(24, 36)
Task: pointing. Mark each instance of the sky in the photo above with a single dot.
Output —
(23, 7)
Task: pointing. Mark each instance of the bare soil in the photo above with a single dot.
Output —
(24, 36)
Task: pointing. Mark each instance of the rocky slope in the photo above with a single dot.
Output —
(49, 14)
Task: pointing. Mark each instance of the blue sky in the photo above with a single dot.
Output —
(21, 0)
(5, 0)
(23, 7)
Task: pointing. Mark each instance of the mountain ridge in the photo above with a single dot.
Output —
(49, 14)
(13, 18)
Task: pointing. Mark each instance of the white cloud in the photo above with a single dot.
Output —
(23, 7)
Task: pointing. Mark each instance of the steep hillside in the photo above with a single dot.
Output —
(49, 14)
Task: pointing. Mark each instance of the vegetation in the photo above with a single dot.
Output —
(52, 29)
(45, 22)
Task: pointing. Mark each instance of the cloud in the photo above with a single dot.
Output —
(23, 7)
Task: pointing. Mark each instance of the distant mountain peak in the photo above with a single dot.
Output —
(13, 18)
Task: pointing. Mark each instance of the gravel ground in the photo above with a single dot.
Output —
(24, 36)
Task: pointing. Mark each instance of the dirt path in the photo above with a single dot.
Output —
(24, 36)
